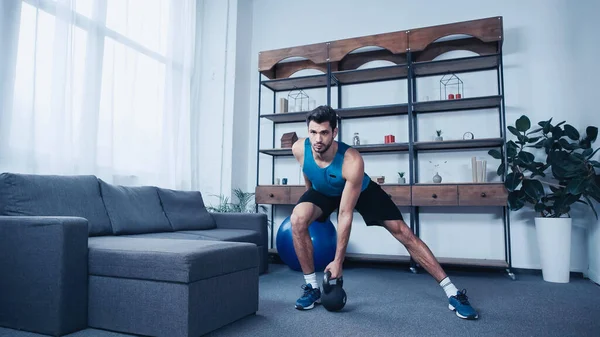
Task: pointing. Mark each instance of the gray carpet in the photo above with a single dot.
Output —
(384, 301)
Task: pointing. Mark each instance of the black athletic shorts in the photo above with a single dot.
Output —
(373, 204)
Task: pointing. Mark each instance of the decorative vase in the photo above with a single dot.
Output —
(554, 244)
(401, 180)
(439, 138)
(437, 178)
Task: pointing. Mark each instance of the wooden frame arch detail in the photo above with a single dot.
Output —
(469, 44)
(487, 30)
(315, 57)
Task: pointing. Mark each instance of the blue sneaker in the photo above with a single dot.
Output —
(460, 304)
(309, 298)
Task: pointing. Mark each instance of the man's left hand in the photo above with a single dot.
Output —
(335, 268)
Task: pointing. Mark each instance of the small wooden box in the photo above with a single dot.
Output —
(288, 139)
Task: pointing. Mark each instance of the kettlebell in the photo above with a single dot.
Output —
(333, 297)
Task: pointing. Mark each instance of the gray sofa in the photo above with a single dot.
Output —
(77, 252)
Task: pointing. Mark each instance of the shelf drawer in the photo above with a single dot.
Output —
(400, 194)
(482, 195)
(272, 195)
(444, 195)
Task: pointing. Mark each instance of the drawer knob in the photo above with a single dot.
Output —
(271, 195)
(434, 195)
(483, 194)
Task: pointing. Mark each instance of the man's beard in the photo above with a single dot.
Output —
(324, 147)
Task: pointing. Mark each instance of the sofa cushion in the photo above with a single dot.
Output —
(52, 195)
(185, 209)
(225, 234)
(134, 210)
(169, 260)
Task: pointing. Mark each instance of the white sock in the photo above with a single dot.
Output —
(312, 280)
(448, 287)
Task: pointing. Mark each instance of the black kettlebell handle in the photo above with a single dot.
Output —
(327, 278)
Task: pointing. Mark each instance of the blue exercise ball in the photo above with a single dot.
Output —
(324, 239)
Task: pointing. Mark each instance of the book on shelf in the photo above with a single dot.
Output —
(479, 170)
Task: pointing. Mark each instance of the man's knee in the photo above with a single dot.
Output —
(401, 231)
(300, 219)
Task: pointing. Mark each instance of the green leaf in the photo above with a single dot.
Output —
(526, 157)
(500, 170)
(533, 189)
(523, 124)
(513, 180)
(495, 154)
(592, 154)
(571, 132)
(589, 202)
(587, 152)
(515, 201)
(592, 133)
(577, 185)
(534, 131)
(566, 145)
(557, 133)
(546, 126)
(595, 163)
(540, 207)
(513, 130)
(533, 140)
(511, 149)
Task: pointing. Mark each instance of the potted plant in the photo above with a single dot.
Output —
(564, 175)
(401, 179)
(439, 137)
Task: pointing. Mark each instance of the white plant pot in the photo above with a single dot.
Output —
(554, 243)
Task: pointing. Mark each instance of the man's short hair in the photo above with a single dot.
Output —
(321, 114)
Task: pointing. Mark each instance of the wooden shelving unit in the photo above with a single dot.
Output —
(413, 53)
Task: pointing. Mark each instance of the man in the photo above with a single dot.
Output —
(335, 179)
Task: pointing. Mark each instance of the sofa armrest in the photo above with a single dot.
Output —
(252, 221)
(43, 274)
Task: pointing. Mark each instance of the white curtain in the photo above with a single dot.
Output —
(98, 87)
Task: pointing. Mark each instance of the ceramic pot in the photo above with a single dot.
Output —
(554, 244)
(437, 178)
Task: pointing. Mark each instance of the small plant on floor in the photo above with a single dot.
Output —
(243, 205)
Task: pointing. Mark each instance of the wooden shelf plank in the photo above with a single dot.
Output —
(373, 111)
(466, 64)
(473, 262)
(305, 82)
(485, 102)
(277, 152)
(460, 144)
(393, 147)
(344, 113)
(371, 75)
(286, 117)
(371, 148)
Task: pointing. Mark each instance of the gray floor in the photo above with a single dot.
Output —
(385, 301)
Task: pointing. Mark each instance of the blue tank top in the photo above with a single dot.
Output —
(328, 180)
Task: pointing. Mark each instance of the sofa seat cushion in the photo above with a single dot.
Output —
(168, 260)
(185, 210)
(134, 209)
(226, 234)
(53, 195)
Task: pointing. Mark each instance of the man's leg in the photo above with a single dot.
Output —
(311, 206)
(416, 247)
(302, 216)
(377, 208)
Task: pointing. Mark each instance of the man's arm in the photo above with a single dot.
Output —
(353, 172)
(298, 151)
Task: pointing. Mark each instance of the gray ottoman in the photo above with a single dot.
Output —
(164, 287)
